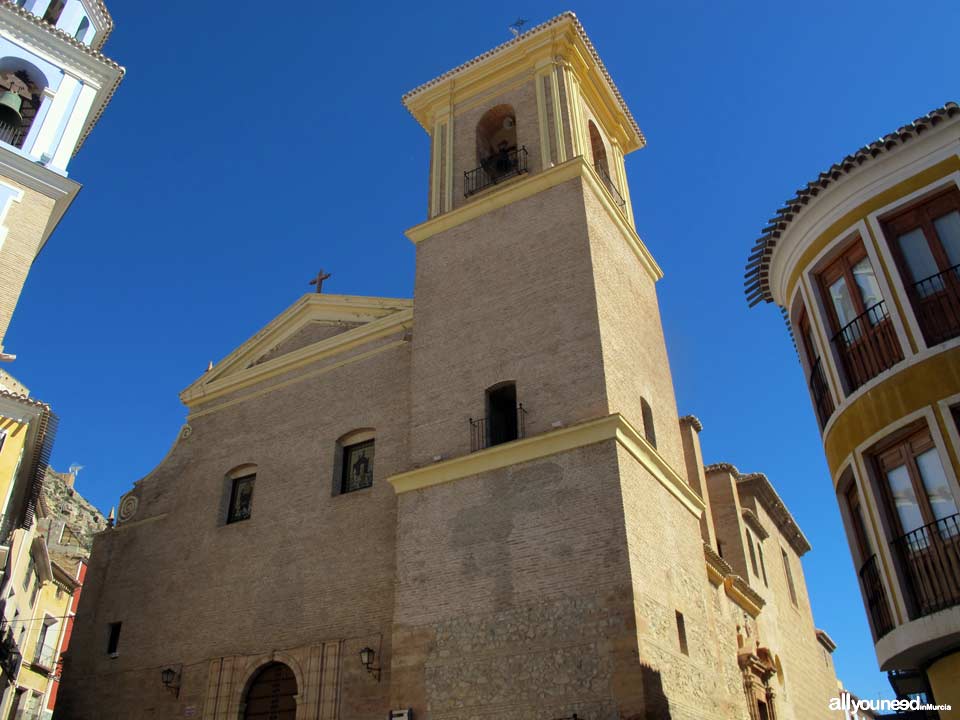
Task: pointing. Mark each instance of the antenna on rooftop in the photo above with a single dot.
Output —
(517, 27)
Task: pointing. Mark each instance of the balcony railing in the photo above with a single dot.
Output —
(876, 597)
(496, 168)
(10, 656)
(605, 176)
(930, 559)
(820, 392)
(936, 303)
(868, 345)
(45, 655)
(12, 134)
(487, 432)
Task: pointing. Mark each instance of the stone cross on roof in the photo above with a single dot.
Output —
(318, 280)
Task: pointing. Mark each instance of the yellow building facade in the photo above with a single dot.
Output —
(865, 264)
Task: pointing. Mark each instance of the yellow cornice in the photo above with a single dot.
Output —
(743, 595)
(204, 391)
(529, 185)
(611, 427)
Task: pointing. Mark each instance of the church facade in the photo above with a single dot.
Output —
(481, 503)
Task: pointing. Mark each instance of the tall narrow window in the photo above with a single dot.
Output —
(241, 498)
(649, 431)
(54, 10)
(863, 334)
(817, 382)
(502, 414)
(113, 638)
(789, 575)
(753, 555)
(357, 468)
(763, 566)
(682, 633)
(859, 526)
(81, 32)
(925, 242)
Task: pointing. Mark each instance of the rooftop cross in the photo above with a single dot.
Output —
(318, 280)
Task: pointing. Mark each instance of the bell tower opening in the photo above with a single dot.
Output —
(21, 92)
(599, 152)
(498, 156)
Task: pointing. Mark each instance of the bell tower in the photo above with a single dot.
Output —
(54, 84)
(545, 452)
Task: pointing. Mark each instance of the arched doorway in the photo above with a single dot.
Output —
(272, 694)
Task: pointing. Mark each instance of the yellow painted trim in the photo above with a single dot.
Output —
(578, 144)
(905, 391)
(557, 115)
(542, 119)
(300, 378)
(735, 593)
(891, 194)
(611, 427)
(384, 327)
(527, 186)
(435, 208)
(448, 171)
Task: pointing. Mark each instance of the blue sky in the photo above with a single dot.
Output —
(249, 146)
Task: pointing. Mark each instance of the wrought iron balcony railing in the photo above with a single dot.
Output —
(930, 560)
(10, 656)
(868, 345)
(45, 655)
(12, 135)
(495, 169)
(605, 177)
(487, 432)
(876, 598)
(936, 303)
(820, 392)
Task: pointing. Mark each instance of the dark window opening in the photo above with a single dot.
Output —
(682, 633)
(762, 710)
(789, 574)
(241, 499)
(720, 548)
(82, 29)
(357, 470)
(763, 566)
(113, 641)
(753, 555)
(648, 429)
(502, 414)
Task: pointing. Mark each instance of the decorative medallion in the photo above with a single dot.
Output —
(128, 507)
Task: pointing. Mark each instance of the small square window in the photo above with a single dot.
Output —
(357, 470)
(241, 499)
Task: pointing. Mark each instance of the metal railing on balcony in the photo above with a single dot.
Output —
(876, 598)
(605, 176)
(868, 345)
(930, 560)
(487, 432)
(936, 303)
(820, 392)
(495, 169)
(45, 655)
(10, 656)
(12, 134)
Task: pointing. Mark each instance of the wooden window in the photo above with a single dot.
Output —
(859, 526)
(113, 638)
(925, 242)
(682, 633)
(241, 499)
(914, 483)
(357, 467)
(817, 381)
(649, 431)
(862, 331)
(789, 575)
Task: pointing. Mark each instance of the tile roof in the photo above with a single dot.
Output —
(536, 30)
(756, 285)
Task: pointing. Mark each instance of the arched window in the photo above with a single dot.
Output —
(599, 152)
(353, 467)
(21, 92)
(239, 485)
(272, 694)
(498, 156)
(648, 429)
(81, 32)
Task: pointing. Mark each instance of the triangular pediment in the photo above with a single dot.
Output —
(323, 322)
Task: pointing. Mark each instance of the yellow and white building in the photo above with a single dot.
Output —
(865, 264)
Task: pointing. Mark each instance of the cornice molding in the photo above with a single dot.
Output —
(693, 421)
(738, 590)
(611, 427)
(204, 389)
(532, 184)
(751, 519)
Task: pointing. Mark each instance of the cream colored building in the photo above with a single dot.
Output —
(479, 503)
(865, 264)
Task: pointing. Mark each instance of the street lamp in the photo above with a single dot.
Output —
(366, 658)
(168, 676)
